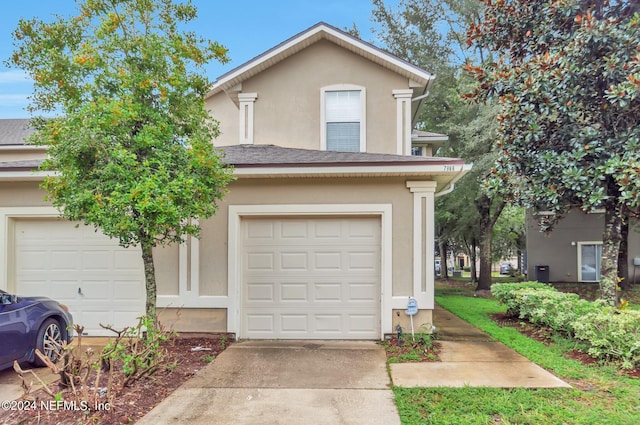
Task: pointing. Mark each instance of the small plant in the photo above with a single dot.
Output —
(223, 342)
(137, 348)
(410, 349)
(208, 358)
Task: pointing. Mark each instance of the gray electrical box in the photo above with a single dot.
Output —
(636, 261)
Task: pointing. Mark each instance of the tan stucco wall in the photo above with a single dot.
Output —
(422, 321)
(287, 111)
(213, 245)
(194, 319)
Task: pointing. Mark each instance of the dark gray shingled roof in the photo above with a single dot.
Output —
(271, 155)
(243, 156)
(14, 131)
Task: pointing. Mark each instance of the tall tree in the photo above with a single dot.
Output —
(132, 146)
(431, 34)
(567, 78)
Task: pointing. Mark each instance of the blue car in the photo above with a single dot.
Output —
(27, 323)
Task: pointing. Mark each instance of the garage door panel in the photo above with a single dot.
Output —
(260, 292)
(260, 261)
(294, 323)
(311, 278)
(294, 292)
(261, 323)
(293, 230)
(293, 261)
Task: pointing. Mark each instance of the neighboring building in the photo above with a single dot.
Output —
(326, 232)
(573, 250)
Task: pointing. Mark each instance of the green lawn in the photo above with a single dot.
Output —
(601, 395)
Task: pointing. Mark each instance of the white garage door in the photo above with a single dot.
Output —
(97, 279)
(312, 278)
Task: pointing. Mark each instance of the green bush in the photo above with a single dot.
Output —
(505, 293)
(556, 310)
(611, 334)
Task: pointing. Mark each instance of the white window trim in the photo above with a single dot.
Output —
(363, 111)
(234, 268)
(579, 254)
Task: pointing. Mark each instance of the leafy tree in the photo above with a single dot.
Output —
(509, 234)
(431, 34)
(133, 144)
(567, 77)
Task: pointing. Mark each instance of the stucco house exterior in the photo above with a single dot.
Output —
(573, 250)
(326, 232)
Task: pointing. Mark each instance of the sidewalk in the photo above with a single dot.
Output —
(469, 357)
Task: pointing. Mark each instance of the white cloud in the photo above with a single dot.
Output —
(7, 77)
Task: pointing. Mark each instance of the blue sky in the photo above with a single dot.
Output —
(246, 27)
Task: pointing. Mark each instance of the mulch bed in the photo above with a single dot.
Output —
(131, 403)
(425, 354)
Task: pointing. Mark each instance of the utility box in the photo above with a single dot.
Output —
(542, 273)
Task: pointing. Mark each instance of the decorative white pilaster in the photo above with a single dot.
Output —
(246, 101)
(403, 121)
(423, 241)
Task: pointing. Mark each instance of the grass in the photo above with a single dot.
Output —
(601, 394)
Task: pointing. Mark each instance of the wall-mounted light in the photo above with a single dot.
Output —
(573, 243)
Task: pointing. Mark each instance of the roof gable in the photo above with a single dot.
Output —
(320, 31)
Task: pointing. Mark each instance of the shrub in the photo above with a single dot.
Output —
(505, 293)
(556, 310)
(612, 334)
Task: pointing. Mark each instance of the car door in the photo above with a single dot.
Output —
(15, 341)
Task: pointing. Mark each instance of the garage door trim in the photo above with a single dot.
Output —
(237, 212)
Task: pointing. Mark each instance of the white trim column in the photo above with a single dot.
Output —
(246, 101)
(423, 241)
(403, 121)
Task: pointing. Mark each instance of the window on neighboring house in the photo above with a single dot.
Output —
(343, 123)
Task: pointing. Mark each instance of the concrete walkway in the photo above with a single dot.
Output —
(469, 357)
(286, 382)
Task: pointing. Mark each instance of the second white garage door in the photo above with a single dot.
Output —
(97, 279)
(311, 278)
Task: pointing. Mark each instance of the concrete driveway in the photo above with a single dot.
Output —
(286, 382)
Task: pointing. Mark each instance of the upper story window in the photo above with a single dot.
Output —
(343, 118)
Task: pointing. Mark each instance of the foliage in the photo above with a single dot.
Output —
(566, 76)
(611, 334)
(132, 146)
(430, 34)
(552, 309)
(137, 349)
(509, 233)
(75, 371)
(410, 349)
(505, 293)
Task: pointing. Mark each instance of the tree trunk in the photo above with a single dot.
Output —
(614, 218)
(623, 255)
(488, 219)
(474, 259)
(150, 279)
(443, 259)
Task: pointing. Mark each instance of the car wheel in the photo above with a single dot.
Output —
(49, 341)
